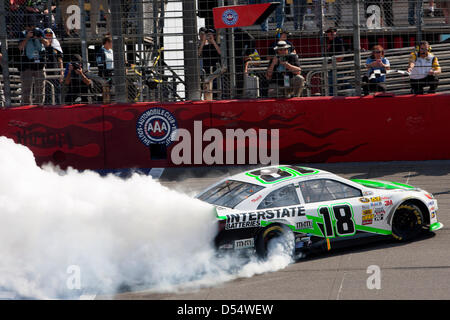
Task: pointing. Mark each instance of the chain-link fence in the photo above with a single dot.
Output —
(108, 51)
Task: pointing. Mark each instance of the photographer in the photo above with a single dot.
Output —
(76, 84)
(32, 48)
(209, 51)
(53, 60)
(284, 73)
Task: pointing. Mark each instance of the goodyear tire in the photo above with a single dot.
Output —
(277, 232)
(408, 222)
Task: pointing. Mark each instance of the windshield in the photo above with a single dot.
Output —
(229, 193)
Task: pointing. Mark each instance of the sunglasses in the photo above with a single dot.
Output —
(377, 51)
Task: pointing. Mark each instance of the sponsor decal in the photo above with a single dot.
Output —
(257, 198)
(244, 243)
(375, 199)
(367, 217)
(364, 200)
(226, 246)
(365, 207)
(376, 204)
(230, 17)
(367, 193)
(156, 126)
(304, 225)
(253, 219)
(388, 203)
(379, 214)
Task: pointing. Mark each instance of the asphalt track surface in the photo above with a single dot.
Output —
(416, 270)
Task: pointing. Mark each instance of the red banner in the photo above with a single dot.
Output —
(243, 15)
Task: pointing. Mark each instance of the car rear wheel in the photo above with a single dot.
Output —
(407, 222)
(275, 237)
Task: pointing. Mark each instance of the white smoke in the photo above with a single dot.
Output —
(130, 234)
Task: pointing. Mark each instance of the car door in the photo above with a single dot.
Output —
(333, 206)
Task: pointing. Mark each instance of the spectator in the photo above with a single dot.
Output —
(445, 6)
(2, 96)
(32, 47)
(76, 83)
(209, 50)
(244, 48)
(377, 66)
(105, 59)
(431, 9)
(39, 9)
(105, 63)
(210, 53)
(282, 36)
(284, 73)
(53, 60)
(299, 13)
(15, 17)
(415, 13)
(335, 46)
(95, 14)
(424, 69)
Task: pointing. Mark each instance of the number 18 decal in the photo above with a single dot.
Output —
(342, 219)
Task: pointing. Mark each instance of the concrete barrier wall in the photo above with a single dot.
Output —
(322, 129)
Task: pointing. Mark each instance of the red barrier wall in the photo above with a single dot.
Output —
(322, 129)
(66, 136)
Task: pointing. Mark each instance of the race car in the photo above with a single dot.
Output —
(317, 209)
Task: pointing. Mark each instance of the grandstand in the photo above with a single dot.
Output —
(159, 54)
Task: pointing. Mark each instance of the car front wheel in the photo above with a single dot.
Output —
(407, 222)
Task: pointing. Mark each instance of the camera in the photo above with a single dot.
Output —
(76, 66)
(282, 58)
(37, 33)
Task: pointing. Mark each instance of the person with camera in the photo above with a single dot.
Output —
(32, 47)
(53, 60)
(423, 68)
(210, 53)
(76, 83)
(209, 50)
(377, 65)
(282, 35)
(284, 73)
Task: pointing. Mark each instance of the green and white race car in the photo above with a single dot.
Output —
(320, 209)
